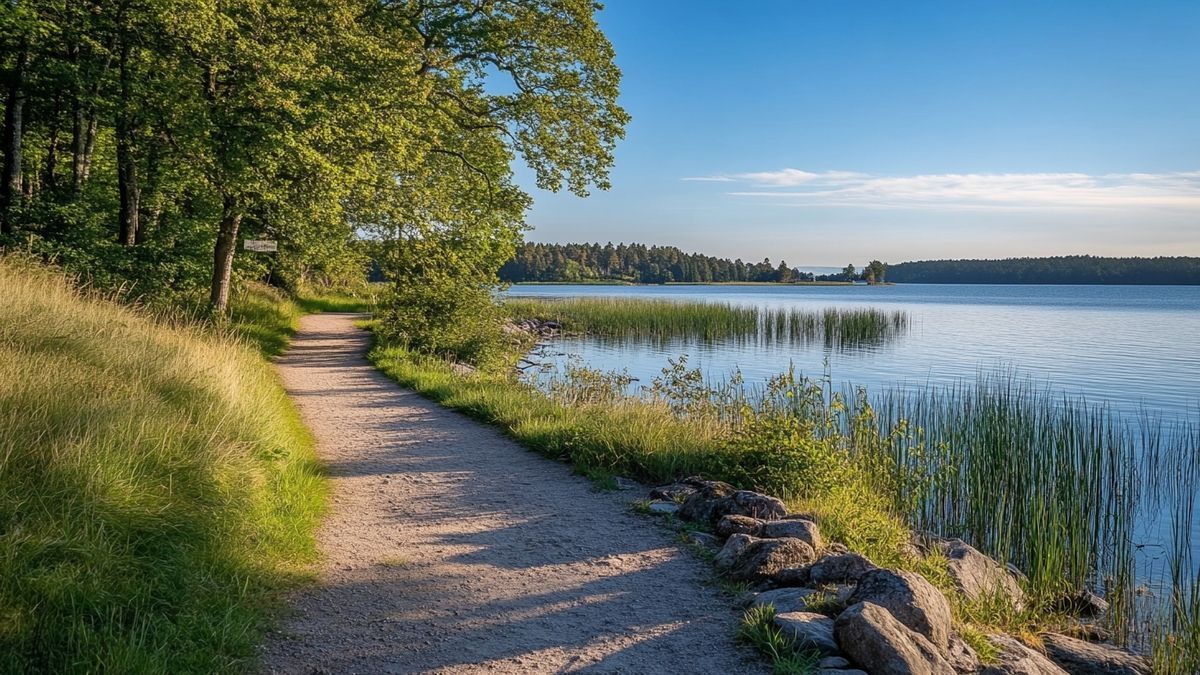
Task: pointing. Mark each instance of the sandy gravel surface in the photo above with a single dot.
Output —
(452, 549)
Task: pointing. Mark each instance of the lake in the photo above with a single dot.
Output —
(1131, 346)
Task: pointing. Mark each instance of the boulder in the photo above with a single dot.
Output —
(784, 599)
(761, 559)
(833, 663)
(1082, 603)
(882, 645)
(713, 500)
(728, 555)
(703, 540)
(1077, 657)
(673, 492)
(705, 502)
(1015, 658)
(731, 525)
(840, 568)
(791, 576)
(662, 508)
(910, 599)
(809, 630)
(794, 528)
(747, 503)
(977, 576)
(961, 657)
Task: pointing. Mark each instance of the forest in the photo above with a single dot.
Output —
(1075, 269)
(638, 263)
(144, 141)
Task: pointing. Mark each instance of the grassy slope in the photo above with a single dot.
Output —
(156, 485)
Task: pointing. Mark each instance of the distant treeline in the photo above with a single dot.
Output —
(636, 263)
(1073, 269)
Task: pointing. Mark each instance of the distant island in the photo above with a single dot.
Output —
(642, 264)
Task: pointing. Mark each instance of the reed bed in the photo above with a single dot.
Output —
(657, 319)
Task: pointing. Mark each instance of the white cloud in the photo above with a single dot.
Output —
(1006, 191)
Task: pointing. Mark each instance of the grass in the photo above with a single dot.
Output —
(758, 629)
(157, 488)
(644, 318)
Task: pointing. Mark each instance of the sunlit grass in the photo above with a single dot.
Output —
(156, 485)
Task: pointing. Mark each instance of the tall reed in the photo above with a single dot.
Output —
(658, 319)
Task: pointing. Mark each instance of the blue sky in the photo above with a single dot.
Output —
(833, 132)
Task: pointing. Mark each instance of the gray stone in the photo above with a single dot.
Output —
(747, 503)
(785, 599)
(833, 663)
(1082, 603)
(674, 492)
(910, 599)
(728, 555)
(961, 657)
(791, 576)
(663, 508)
(704, 540)
(977, 576)
(1015, 658)
(839, 569)
(809, 630)
(705, 502)
(805, 530)
(1077, 657)
(882, 645)
(761, 559)
(731, 525)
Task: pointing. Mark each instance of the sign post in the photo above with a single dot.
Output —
(261, 245)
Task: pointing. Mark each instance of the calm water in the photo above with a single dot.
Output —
(1132, 346)
(1136, 348)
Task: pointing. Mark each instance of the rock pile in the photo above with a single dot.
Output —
(860, 617)
(536, 327)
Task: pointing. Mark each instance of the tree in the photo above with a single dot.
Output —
(849, 273)
(875, 272)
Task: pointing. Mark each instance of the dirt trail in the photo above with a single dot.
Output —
(452, 549)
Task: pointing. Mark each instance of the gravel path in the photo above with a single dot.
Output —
(452, 549)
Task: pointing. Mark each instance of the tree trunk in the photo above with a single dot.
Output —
(231, 220)
(14, 117)
(50, 169)
(127, 176)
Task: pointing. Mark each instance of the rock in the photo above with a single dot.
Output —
(882, 645)
(705, 503)
(729, 553)
(1017, 659)
(663, 508)
(714, 500)
(1077, 657)
(791, 576)
(911, 600)
(809, 630)
(749, 503)
(703, 539)
(761, 559)
(977, 576)
(839, 569)
(805, 530)
(839, 671)
(462, 369)
(730, 525)
(785, 599)
(1082, 603)
(674, 492)
(833, 663)
(626, 483)
(961, 657)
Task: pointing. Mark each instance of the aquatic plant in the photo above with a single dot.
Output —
(659, 319)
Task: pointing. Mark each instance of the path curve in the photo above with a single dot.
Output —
(450, 548)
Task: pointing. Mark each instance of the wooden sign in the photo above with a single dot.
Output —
(262, 245)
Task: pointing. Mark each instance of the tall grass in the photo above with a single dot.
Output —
(645, 318)
(156, 486)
